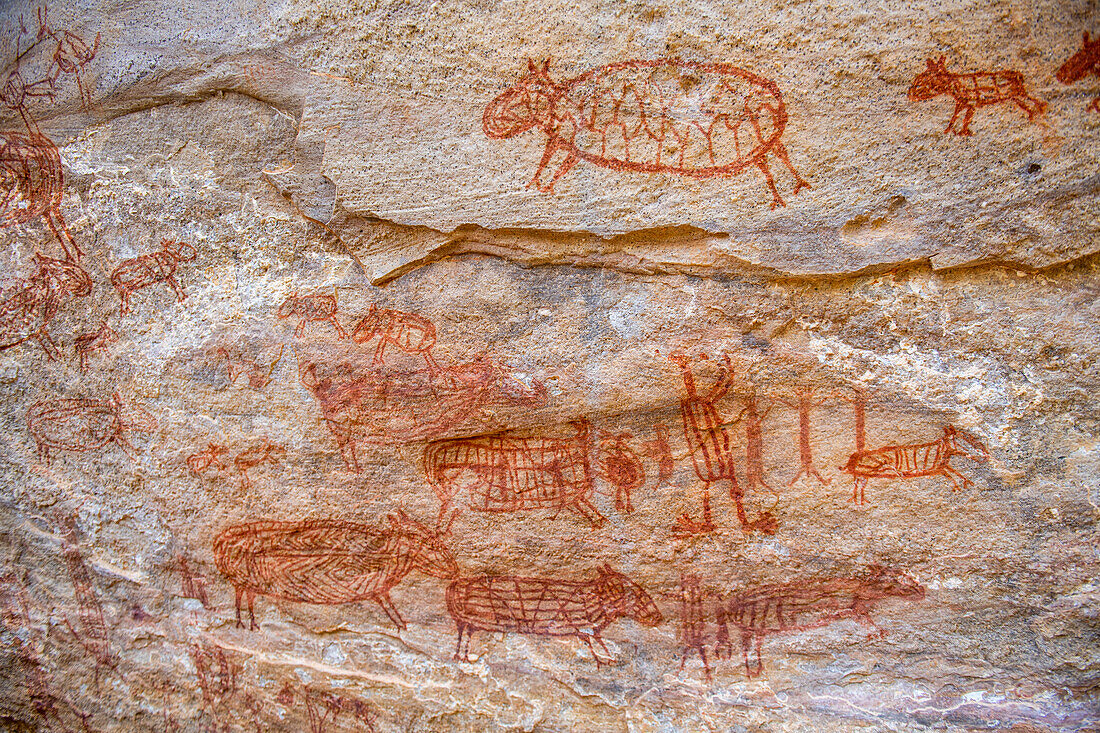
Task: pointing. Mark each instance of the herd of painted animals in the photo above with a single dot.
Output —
(334, 562)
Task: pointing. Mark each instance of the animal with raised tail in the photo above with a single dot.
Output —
(915, 460)
(807, 603)
(81, 425)
(1086, 61)
(328, 561)
(690, 119)
(27, 309)
(505, 473)
(547, 607)
(409, 332)
(383, 407)
(311, 309)
(972, 91)
(145, 270)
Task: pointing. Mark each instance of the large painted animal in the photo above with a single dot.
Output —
(328, 561)
(156, 267)
(311, 308)
(384, 407)
(915, 460)
(973, 91)
(806, 603)
(28, 308)
(81, 425)
(506, 473)
(409, 332)
(698, 120)
(547, 607)
(31, 175)
(1086, 61)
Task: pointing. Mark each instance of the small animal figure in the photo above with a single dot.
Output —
(328, 561)
(807, 603)
(1086, 61)
(506, 473)
(79, 425)
(145, 270)
(547, 607)
(915, 460)
(409, 332)
(203, 460)
(621, 467)
(972, 91)
(662, 116)
(27, 309)
(237, 363)
(315, 308)
(86, 343)
(254, 456)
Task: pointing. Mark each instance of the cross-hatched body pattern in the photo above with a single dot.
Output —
(529, 605)
(515, 473)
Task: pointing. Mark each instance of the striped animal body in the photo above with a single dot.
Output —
(1086, 61)
(328, 561)
(311, 308)
(145, 270)
(915, 460)
(806, 603)
(503, 473)
(972, 91)
(547, 607)
(663, 116)
(79, 425)
(27, 309)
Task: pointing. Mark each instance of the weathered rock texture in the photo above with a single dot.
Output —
(326, 407)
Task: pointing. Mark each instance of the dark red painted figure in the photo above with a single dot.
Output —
(808, 603)
(973, 91)
(78, 425)
(712, 450)
(754, 441)
(547, 607)
(805, 399)
(693, 621)
(238, 363)
(505, 473)
(31, 175)
(639, 116)
(915, 460)
(145, 270)
(91, 629)
(409, 332)
(28, 308)
(328, 561)
(621, 467)
(660, 452)
(325, 706)
(1086, 61)
(192, 585)
(200, 462)
(263, 452)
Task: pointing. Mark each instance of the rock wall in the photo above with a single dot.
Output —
(546, 366)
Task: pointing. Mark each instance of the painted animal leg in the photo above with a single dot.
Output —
(83, 361)
(800, 183)
(811, 471)
(301, 328)
(237, 602)
(1034, 108)
(251, 598)
(954, 116)
(587, 510)
(953, 474)
(180, 295)
(391, 610)
(564, 168)
(246, 483)
(777, 200)
(125, 445)
(433, 367)
(43, 454)
(379, 353)
(339, 329)
(124, 307)
(347, 451)
(47, 344)
(858, 487)
(56, 222)
(747, 638)
(967, 116)
(463, 631)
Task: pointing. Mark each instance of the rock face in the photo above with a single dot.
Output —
(549, 366)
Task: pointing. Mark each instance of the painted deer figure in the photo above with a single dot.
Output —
(26, 310)
(145, 270)
(31, 176)
(972, 91)
(547, 607)
(1086, 61)
(265, 451)
(915, 460)
(311, 308)
(328, 561)
(409, 332)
